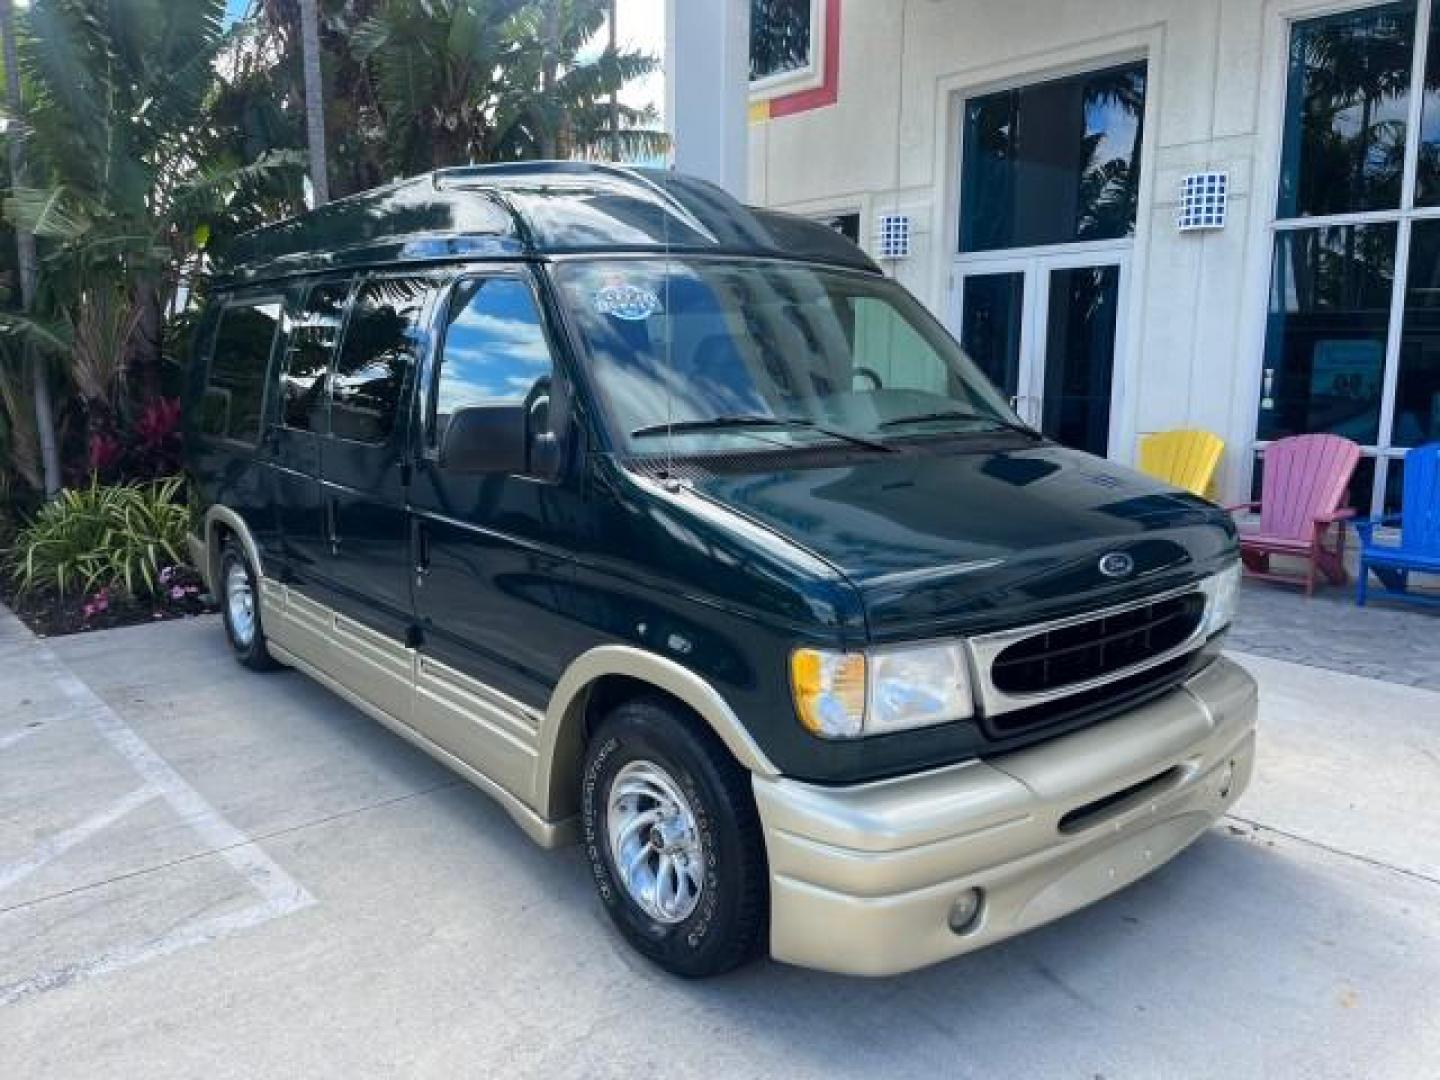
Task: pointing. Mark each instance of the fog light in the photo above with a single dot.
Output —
(965, 912)
(1227, 780)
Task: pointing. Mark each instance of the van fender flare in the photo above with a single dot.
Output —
(223, 515)
(560, 741)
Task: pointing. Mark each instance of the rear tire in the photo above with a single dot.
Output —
(674, 840)
(240, 609)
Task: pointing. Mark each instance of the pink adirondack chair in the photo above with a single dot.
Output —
(1305, 481)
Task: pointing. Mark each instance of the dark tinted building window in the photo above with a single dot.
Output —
(780, 36)
(1053, 163)
(235, 393)
(313, 334)
(1417, 391)
(1427, 171)
(495, 350)
(381, 344)
(1332, 359)
(1325, 339)
(1347, 112)
(847, 225)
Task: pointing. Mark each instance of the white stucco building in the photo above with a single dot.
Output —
(1038, 149)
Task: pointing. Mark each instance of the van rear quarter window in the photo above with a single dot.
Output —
(235, 390)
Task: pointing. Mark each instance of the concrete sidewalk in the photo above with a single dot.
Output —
(204, 871)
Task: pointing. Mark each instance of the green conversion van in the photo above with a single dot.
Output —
(686, 534)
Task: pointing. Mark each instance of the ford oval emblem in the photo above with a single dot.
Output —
(1117, 565)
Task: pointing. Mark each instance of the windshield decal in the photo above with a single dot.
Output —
(633, 303)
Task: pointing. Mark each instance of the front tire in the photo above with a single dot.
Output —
(240, 609)
(674, 840)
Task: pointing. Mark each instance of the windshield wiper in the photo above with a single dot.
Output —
(744, 420)
(961, 414)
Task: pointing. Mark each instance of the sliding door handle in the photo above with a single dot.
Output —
(422, 552)
(332, 525)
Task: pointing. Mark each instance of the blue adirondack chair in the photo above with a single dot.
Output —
(1419, 520)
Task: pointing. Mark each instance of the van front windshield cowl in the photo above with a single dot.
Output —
(715, 356)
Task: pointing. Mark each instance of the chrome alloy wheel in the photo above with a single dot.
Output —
(240, 604)
(655, 842)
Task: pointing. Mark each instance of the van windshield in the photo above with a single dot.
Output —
(768, 352)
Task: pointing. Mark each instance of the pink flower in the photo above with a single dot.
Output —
(105, 451)
(178, 592)
(159, 421)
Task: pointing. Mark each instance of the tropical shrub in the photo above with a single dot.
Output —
(141, 444)
(117, 538)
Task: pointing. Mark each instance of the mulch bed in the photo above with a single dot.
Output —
(50, 615)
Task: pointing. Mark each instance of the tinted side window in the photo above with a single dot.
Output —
(235, 392)
(495, 349)
(313, 334)
(382, 341)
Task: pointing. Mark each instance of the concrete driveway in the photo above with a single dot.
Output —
(207, 872)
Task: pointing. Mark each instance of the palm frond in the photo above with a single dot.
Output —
(49, 213)
(21, 444)
(49, 335)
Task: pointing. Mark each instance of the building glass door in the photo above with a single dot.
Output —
(1044, 329)
(1081, 318)
(1050, 180)
(993, 323)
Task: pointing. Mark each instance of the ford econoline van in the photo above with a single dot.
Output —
(684, 533)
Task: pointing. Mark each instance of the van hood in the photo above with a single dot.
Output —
(965, 540)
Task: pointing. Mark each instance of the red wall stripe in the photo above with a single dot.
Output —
(828, 92)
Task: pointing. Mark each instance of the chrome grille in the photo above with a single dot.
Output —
(1082, 652)
(1021, 671)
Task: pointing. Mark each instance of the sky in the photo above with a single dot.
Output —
(642, 27)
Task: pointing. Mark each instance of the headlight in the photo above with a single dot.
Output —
(1223, 592)
(847, 695)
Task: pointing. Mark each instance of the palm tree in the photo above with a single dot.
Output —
(314, 100)
(466, 81)
(25, 255)
(133, 174)
(575, 109)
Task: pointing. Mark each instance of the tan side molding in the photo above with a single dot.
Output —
(561, 733)
(301, 635)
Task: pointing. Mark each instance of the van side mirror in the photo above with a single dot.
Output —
(486, 439)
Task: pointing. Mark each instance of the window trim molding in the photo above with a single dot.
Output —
(812, 87)
(808, 76)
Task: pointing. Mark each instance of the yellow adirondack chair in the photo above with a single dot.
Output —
(1185, 458)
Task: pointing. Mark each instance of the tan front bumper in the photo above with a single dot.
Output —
(862, 879)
